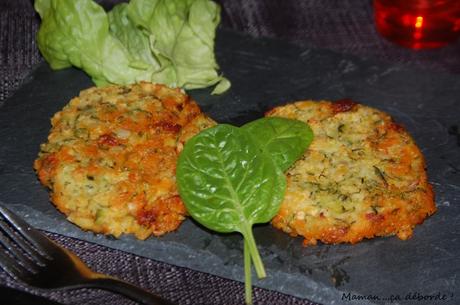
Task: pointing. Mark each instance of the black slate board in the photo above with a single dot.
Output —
(266, 73)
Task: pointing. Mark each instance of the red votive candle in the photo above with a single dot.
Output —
(418, 24)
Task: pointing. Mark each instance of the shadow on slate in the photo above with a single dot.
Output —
(266, 73)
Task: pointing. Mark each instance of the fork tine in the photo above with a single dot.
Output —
(13, 248)
(12, 268)
(42, 244)
(20, 242)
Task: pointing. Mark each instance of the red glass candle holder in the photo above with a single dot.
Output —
(418, 24)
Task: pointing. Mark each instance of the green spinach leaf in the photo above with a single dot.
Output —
(231, 178)
(284, 139)
(227, 185)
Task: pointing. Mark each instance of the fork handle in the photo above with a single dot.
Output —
(134, 293)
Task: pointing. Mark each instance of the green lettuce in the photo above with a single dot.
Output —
(163, 41)
(76, 33)
(134, 40)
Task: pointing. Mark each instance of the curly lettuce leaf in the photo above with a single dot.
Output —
(183, 33)
(163, 41)
(134, 40)
(76, 32)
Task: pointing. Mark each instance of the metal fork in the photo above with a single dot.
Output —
(31, 257)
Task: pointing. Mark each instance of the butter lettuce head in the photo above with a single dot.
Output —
(163, 41)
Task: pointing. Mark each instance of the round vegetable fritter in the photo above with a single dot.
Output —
(362, 176)
(110, 159)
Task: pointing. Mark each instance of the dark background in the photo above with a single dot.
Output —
(345, 26)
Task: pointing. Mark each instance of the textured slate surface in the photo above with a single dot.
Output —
(266, 73)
